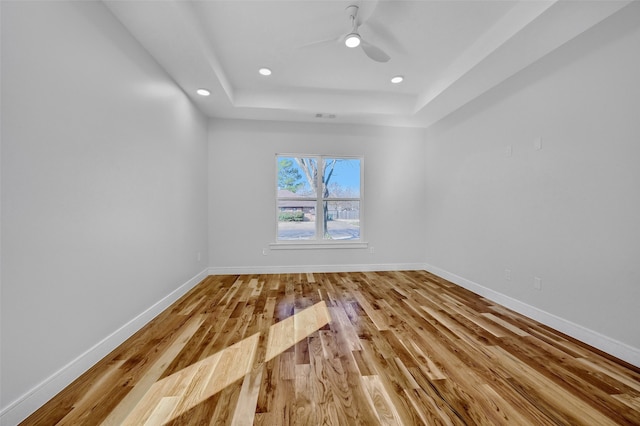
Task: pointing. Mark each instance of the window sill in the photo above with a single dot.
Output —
(317, 246)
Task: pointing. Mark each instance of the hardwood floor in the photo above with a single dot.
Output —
(346, 348)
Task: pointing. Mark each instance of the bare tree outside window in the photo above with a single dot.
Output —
(339, 180)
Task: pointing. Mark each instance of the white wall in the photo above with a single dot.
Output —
(104, 187)
(568, 213)
(242, 194)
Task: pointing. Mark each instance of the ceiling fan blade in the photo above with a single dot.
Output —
(379, 32)
(322, 42)
(374, 52)
(366, 9)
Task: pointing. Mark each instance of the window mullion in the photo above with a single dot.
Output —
(320, 201)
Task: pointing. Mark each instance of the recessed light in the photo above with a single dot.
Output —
(203, 92)
(397, 79)
(264, 71)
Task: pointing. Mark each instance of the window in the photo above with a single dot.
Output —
(319, 198)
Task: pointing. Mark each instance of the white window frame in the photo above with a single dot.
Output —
(320, 242)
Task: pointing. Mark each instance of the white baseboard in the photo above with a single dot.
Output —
(606, 344)
(248, 270)
(24, 406)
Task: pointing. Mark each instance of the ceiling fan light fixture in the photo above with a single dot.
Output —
(264, 71)
(352, 40)
(397, 79)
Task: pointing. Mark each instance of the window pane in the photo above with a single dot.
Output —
(296, 223)
(342, 219)
(342, 177)
(297, 176)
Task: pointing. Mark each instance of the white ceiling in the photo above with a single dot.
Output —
(449, 52)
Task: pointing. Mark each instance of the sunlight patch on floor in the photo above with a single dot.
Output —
(178, 393)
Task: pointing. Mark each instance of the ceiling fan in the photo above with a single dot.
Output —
(353, 39)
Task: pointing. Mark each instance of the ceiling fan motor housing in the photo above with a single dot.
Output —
(353, 38)
(352, 13)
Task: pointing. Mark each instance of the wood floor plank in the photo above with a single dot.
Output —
(363, 348)
(381, 401)
(244, 412)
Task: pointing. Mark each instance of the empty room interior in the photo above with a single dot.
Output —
(320, 212)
